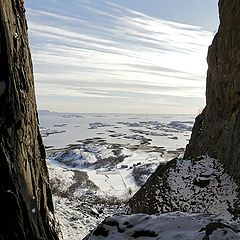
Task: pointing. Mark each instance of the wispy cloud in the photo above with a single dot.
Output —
(93, 50)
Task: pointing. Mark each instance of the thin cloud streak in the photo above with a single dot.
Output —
(98, 49)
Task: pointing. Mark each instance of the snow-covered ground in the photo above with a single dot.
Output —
(200, 189)
(116, 128)
(114, 169)
(203, 186)
(168, 226)
(96, 163)
(118, 152)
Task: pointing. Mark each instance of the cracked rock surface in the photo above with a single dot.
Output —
(26, 203)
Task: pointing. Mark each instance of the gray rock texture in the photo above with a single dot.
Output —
(217, 129)
(195, 186)
(25, 197)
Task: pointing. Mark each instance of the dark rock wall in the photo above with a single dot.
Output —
(217, 129)
(155, 195)
(26, 209)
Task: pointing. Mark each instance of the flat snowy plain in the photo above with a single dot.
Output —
(98, 161)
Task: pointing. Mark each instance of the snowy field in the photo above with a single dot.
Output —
(60, 130)
(118, 152)
(98, 161)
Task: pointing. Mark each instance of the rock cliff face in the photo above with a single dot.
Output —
(26, 203)
(217, 129)
(194, 186)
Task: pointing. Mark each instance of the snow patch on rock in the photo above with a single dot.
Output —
(202, 186)
(171, 226)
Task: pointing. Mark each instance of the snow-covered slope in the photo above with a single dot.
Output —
(117, 152)
(77, 207)
(200, 185)
(114, 157)
(168, 226)
(200, 189)
(108, 158)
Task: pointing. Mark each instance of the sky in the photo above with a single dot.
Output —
(121, 56)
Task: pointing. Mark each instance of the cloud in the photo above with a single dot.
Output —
(97, 49)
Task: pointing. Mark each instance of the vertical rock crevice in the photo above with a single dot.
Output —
(26, 204)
